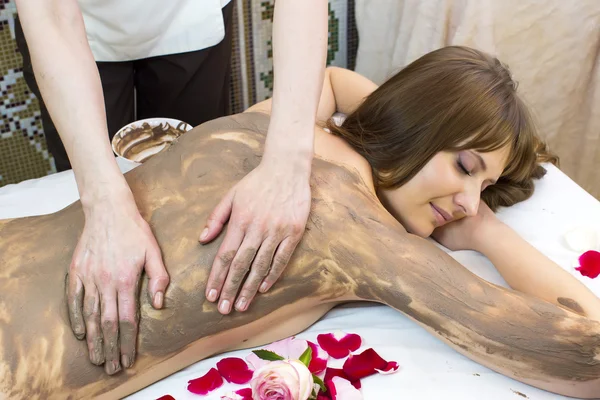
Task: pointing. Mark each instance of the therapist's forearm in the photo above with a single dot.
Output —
(299, 58)
(68, 79)
(529, 271)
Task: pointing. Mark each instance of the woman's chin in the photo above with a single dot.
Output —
(423, 230)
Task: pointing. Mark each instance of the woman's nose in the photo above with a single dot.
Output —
(468, 201)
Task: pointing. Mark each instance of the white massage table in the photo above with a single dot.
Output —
(429, 368)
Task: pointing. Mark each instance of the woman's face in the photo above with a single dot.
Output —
(448, 188)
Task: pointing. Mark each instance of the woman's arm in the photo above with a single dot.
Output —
(529, 271)
(343, 91)
(522, 266)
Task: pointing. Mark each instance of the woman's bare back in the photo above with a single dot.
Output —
(352, 249)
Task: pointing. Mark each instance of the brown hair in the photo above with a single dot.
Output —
(451, 99)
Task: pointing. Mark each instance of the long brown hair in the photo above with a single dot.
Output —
(451, 99)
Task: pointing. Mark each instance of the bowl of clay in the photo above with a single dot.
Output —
(140, 140)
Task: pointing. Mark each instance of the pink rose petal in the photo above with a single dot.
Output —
(339, 344)
(168, 397)
(589, 264)
(330, 373)
(341, 389)
(290, 349)
(242, 394)
(234, 370)
(367, 363)
(318, 362)
(207, 383)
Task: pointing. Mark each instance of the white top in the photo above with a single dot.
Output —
(124, 30)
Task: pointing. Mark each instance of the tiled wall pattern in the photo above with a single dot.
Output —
(23, 153)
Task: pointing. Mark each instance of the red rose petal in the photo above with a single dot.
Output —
(331, 372)
(367, 363)
(589, 264)
(246, 392)
(318, 362)
(234, 370)
(166, 397)
(339, 347)
(207, 383)
(242, 394)
(390, 368)
(323, 396)
(331, 389)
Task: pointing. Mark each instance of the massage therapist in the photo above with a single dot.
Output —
(83, 59)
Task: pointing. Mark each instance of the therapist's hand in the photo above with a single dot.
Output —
(104, 279)
(267, 212)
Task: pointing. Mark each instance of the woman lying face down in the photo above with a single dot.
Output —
(413, 155)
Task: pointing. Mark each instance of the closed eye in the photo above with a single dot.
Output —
(462, 167)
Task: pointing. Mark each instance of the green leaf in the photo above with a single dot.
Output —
(267, 355)
(306, 356)
(319, 382)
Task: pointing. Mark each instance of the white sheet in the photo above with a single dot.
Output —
(429, 368)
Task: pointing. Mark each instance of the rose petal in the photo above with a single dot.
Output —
(318, 362)
(391, 367)
(234, 370)
(242, 394)
(290, 349)
(589, 264)
(168, 397)
(339, 344)
(207, 383)
(245, 392)
(330, 373)
(341, 389)
(358, 366)
(581, 238)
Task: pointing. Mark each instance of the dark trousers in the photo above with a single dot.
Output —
(192, 87)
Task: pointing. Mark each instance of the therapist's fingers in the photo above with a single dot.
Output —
(218, 218)
(258, 271)
(222, 262)
(110, 331)
(280, 261)
(128, 323)
(158, 278)
(75, 294)
(91, 314)
(238, 270)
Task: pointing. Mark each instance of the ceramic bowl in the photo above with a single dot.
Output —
(138, 141)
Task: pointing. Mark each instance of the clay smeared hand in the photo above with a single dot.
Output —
(267, 213)
(103, 282)
(467, 233)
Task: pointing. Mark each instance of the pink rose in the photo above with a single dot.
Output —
(282, 380)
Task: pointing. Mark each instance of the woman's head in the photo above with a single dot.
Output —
(442, 133)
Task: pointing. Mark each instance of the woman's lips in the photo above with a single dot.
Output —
(441, 216)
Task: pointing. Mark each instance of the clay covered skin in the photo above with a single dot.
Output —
(353, 249)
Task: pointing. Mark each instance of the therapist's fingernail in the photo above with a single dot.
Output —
(224, 306)
(125, 361)
(263, 288)
(158, 300)
(241, 304)
(212, 295)
(204, 234)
